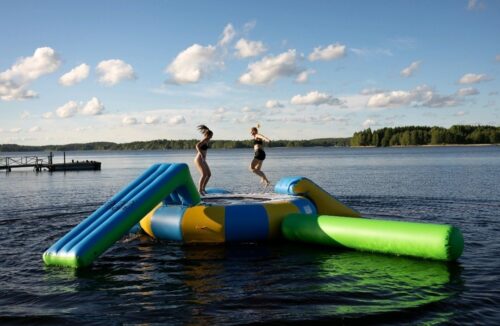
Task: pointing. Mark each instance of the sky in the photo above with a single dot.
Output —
(122, 71)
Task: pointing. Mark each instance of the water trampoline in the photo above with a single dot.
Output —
(163, 203)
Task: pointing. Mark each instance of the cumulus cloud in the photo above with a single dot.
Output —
(369, 123)
(177, 120)
(35, 129)
(408, 71)
(273, 104)
(315, 98)
(227, 35)
(113, 71)
(75, 75)
(15, 130)
(67, 110)
(92, 107)
(193, 64)
(473, 78)
(246, 48)
(15, 80)
(460, 113)
(423, 96)
(271, 68)
(129, 121)
(468, 91)
(303, 77)
(152, 120)
(331, 52)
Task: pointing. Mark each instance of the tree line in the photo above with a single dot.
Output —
(399, 136)
(162, 144)
(418, 135)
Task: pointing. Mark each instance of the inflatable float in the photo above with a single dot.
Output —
(164, 202)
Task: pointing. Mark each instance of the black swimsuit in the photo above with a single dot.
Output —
(204, 147)
(259, 153)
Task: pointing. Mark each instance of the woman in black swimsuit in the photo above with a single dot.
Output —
(200, 159)
(259, 156)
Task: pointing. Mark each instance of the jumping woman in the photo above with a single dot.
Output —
(259, 156)
(201, 158)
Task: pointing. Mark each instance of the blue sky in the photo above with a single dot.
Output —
(83, 71)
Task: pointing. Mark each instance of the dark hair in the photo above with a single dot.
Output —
(254, 130)
(205, 130)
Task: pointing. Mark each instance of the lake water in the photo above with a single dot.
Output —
(142, 281)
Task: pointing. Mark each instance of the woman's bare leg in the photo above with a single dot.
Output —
(255, 168)
(207, 174)
(200, 169)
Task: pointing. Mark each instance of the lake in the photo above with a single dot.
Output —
(144, 281)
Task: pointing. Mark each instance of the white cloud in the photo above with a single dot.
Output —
(473, 78)
(315, 98)
(129, 121)
(372, 52)
(303, 77)
(420, 96)
(15, 80)
(227, 35)
(219, 114)
(152, 120)
(371, 91)
(193, 64)
(25, 115)
(460, 113)
(408, 71)
(48, 115)
(271, 68)
(249, 26)
(177, 120)
(75, 75)
(15, 130)
(273, 104)
(331, 52)
(92, 107)
(67, 110)
(475, 5)
(246, 48)
(35, 129)
(468, 91)
(368, 123)
(113, 71)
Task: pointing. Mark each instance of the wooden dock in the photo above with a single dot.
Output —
(39, 164)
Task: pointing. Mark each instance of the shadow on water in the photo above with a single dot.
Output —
(261, 283)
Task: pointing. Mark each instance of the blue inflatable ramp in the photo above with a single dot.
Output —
(108, 224)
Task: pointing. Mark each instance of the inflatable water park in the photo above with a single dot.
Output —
(164, 203)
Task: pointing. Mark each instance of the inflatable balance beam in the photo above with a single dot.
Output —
(424, 240)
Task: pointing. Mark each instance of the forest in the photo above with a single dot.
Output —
(162, 144)
(398, 136)
(417, 135)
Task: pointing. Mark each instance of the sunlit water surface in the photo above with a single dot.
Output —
(142, 281)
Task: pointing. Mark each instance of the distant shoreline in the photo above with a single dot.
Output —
(41, 149)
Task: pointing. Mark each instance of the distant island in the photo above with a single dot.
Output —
(399, 136)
